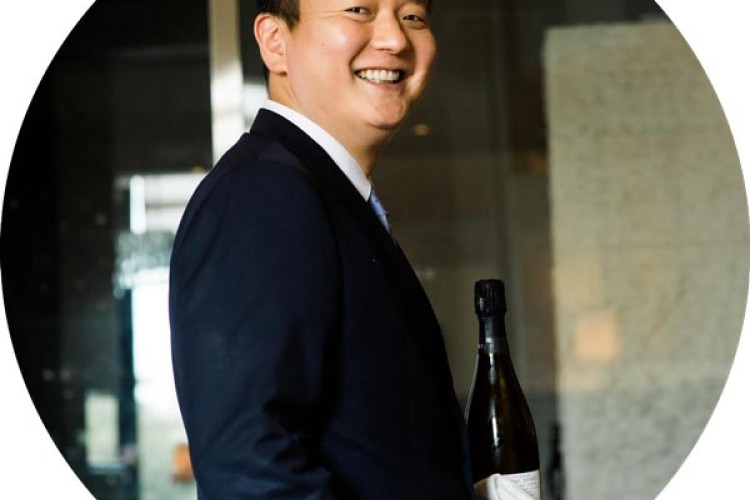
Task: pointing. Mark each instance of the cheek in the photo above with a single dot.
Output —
(343, 46)
(427, 55)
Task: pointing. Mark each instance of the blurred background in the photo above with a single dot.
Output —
(574, 149)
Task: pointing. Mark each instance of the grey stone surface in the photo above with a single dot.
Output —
(650, 252)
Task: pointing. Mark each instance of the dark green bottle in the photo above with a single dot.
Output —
(502, 437)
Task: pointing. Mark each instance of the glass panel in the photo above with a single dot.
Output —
(102, 436)
(156, 205)
(115, 139)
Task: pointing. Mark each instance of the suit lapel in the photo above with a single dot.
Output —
(407, 293)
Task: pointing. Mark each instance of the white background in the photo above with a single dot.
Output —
(32, 30)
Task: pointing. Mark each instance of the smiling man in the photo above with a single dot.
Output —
(308, 360)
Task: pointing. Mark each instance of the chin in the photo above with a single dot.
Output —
(388, 122)
(388, 126)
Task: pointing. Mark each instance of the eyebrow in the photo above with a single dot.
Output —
(427, 4)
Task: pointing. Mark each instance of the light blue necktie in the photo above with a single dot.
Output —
(379, 210)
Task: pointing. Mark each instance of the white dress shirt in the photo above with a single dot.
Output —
(341, 157)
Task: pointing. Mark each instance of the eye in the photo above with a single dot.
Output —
(416, 20)
(416, 16)
(358, 10)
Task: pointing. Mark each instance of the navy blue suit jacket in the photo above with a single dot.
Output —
(307, 358)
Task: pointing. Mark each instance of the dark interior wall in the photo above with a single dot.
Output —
(31, 260)
(128, 92)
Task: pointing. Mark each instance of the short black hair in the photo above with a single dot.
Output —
(288, 10)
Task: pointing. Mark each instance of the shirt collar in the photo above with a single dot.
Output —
(341, 157)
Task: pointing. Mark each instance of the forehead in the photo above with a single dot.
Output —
(333, 4)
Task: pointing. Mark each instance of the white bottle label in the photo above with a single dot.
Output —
(522, 486)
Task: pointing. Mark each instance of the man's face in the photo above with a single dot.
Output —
(355, 66)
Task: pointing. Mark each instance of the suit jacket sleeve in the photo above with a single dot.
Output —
(253, 301)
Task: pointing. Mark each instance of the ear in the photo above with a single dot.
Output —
(269, 34)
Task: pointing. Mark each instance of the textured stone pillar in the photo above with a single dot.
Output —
(650, 250)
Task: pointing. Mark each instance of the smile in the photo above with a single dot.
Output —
(380, 75)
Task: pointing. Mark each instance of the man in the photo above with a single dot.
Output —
(307, 358)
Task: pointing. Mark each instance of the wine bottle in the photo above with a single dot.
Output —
(502, 437)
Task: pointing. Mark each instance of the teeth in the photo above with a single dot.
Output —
(379, 75)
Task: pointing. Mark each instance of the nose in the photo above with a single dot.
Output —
(388, 33)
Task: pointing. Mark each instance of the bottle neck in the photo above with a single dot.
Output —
(492, 337)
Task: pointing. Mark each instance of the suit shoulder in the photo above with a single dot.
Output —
(253, 162)
(249, 219)
(255, 176)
